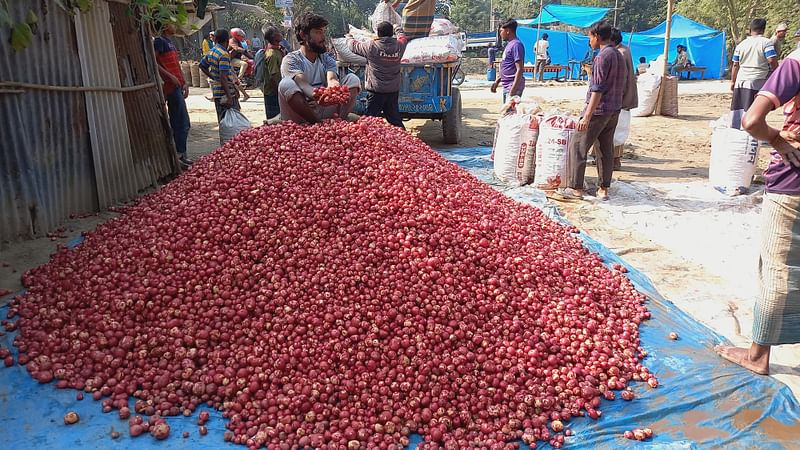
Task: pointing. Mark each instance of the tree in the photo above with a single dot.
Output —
(471, 15)
(734, 16)
(340, 13)
(516, 9)
(638, 15)
(632, 15)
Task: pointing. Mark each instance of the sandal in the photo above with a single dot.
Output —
(566, 195)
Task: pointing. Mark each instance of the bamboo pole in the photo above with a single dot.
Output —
(666, 58)
(538, 32)
(15, 87)
(539, 25)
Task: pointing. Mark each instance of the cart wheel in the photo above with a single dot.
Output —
(451, 120)
(459, 78)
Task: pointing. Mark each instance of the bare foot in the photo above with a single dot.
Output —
(742, 357)
(602, 194)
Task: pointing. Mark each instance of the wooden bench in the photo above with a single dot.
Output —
(547, 69)
(689, 70)
(556, 69)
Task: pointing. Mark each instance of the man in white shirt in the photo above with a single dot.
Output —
(753, 60)
(308, 68)
(779, 38)
(541, 55)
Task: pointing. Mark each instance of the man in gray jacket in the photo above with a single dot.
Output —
(383, 72)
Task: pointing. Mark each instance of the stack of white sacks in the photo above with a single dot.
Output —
(531, 147)
(444, 44)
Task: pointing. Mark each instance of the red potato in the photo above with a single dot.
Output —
(329, 96)
(160, 431)
(136, 430)
(203, 417)
(71, 418)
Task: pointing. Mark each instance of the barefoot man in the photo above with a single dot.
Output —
(777, 312)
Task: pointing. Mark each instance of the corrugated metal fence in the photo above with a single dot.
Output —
(64, 153)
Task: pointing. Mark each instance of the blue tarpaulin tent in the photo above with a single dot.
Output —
(706, 46)
(579, 16)
(681, 28)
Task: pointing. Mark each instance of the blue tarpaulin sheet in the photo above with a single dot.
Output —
(702, 401)
(705, 50)
(681, 27)
(579, 16)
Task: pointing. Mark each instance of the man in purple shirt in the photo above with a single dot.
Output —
(511, 66)
(599, 119)
(776, 319)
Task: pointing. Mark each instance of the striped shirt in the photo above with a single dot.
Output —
(219, 65)
(418, 17)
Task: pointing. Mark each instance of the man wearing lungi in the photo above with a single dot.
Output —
(777, 312)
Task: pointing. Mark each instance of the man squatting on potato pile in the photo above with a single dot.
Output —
(308, 68)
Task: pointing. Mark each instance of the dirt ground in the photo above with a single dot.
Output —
(662, 154)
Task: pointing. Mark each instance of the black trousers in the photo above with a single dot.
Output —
(385, 105)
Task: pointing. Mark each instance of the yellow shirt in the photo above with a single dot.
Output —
(206, 47)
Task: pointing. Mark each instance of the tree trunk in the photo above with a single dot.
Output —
(733, 19)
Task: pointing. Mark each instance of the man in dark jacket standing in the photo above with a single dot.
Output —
(383, 72)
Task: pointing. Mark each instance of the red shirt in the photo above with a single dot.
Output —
(167, 57)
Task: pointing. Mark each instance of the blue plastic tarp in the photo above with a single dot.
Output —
(681, 27)
(702, 401)
(579, 16)
(707, 51)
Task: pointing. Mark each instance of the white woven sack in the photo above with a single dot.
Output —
(344, 54)
(552, 150)
(734, 155)
(515, 148)
(385, 13)
(623, 129)
(647, 86)
(434, 49)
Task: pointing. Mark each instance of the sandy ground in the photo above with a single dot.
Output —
(699, 247)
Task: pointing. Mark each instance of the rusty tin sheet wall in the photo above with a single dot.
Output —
(46, 169)
(116, 177)
(148, 124)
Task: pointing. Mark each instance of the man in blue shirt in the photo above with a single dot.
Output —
(257, 43)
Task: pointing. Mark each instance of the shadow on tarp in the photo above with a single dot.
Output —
(702, 401)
